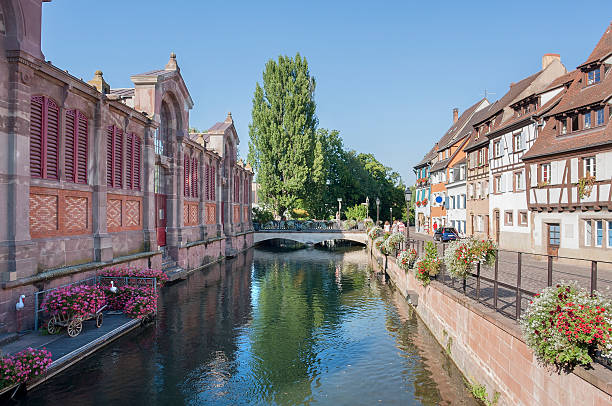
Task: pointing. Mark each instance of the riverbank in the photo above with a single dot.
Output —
(489, 349)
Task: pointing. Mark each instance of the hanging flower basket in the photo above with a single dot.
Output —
(461, 255)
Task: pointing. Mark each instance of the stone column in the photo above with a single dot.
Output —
(174, 200)
(149, 212)
(103, 244)
(201, 200)
(17, 257)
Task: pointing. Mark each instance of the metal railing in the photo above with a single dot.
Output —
(39, 297)
(516, 277)
(307, 226)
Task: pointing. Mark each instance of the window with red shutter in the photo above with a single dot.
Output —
(206, 182)
(70, 142)
(194, 179)
(136, 177)
(82, 147)
(128, 161)
(36, 136)
(186, 175)
(44, 138)
(114, 157)
(213, 183)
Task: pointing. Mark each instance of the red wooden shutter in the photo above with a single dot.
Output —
(118, 158)
(110, 132)
(82, 147)
(206, 185)
(214, 183)
(194, 185)
(136, 183)
(70, 146)
(186, 175)
(128, 161)
(36, 136)
(52, 150)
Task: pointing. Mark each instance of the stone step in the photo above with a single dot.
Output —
(175, 273)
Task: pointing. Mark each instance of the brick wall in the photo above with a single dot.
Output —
(488, 348)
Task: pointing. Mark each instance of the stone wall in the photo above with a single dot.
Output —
(488, 348)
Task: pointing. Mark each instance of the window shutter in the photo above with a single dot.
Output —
(194, 168)
(186, 176)
(503, 182)
(213, 182)
(129, 161)
(118, 158)
(70, 146)
(136, 168)
(52, 138)
(36, 136)
(110, 132)
(206, 182)
(502, 144)
(523, 140)
(82, 127)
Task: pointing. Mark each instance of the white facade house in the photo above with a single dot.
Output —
(457, 197)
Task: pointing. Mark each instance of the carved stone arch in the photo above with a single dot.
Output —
(22, 27)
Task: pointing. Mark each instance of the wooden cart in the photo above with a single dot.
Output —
(73, 324)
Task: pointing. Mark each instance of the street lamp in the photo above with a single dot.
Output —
(408, 197)
(339, 207)
(390, 214)
(377, 209)
(367, 206)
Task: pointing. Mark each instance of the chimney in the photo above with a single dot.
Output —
(547, 59)
(172, 65)
(455, 115)
(99, 83)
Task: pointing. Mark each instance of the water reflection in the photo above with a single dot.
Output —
(301, 327)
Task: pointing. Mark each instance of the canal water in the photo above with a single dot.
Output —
(305, 327)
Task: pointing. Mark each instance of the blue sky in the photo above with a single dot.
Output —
(388, 73)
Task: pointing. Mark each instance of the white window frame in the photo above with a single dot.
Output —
(597, 229)
(590, 166)
(497, 148)
(588, 233)
(546, 173)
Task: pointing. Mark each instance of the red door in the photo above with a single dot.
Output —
(160, 219)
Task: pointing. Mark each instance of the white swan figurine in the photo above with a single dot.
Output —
(113, 288)
(19, 305)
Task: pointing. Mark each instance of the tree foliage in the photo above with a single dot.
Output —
(357, 212)
(282, 131)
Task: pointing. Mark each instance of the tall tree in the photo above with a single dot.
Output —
(283, 143)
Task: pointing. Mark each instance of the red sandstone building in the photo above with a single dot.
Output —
(92, 176)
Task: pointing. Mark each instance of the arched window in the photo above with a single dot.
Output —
(76, 145)
(44, 138)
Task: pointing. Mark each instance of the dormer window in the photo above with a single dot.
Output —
(593, 76)
(587, 120)
(599, 116)
(563, 126)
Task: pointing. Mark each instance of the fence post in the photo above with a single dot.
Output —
(495, 280)
(593, 276)
(478, 281)
(464, 286)
(550, 269)
(518, 286)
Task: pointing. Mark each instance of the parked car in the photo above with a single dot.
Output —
(445, 234)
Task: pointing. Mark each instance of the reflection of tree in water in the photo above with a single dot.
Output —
(294, 299)
(433, 375)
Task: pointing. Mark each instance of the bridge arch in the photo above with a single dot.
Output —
(310, 238)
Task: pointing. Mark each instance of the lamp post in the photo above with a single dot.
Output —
(408, 197)
(339, 207)
(367, 206)
(377, 209)
(390, 215)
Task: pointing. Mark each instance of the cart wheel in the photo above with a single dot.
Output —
(99, 319)
(52, 328)
(75, 327)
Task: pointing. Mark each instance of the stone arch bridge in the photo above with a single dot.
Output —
(310, 237)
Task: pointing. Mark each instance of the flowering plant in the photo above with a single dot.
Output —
(418, 203)
(393, 241)
(134, 272)
(134, 301)
(349, 224)
(427, 265)
(461, 255)
(406, 258)
(564, 325)
(379, 243)
(23, 366)
(374, 232)
(424, 202)
(75, 300)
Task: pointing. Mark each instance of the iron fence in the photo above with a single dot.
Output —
(308, 225)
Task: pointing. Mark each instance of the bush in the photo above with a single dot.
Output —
(564, 325)
(427, 265)
(406, 259)
(357, 212)
(261, 215)
(24, 365)
(74, 301)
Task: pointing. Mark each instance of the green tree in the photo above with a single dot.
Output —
(356, 212)
(283, 142)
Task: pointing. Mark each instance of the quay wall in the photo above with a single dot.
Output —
(489, 349)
